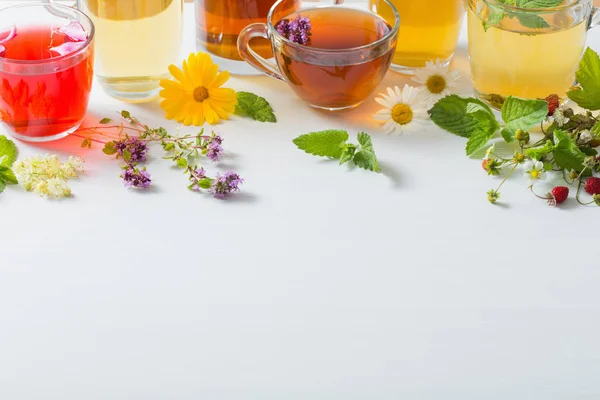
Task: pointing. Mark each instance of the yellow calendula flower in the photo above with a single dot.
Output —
(195, 96)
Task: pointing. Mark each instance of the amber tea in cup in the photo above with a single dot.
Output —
(218, 25)
(346, 55)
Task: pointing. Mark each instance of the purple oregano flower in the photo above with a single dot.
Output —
(296, 30)
(137, 148)
(136, 178)
(225, 184)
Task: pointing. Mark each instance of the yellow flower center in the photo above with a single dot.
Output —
(535, 174)
(200, 94)
(436, 84)
(402, 114)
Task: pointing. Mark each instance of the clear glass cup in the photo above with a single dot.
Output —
(527, 53)
(218, 25)
(136, 42)
(46, 70)
(349, 52)
(429, 31)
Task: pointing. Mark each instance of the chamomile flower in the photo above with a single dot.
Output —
(534, 170)
(437, 80)
(404, 110)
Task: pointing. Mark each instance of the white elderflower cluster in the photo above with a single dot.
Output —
(47, 175)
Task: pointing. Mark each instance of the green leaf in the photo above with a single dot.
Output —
(181, 163)
(125, 114)
(478, 140)
(324, 143)
(595, 129)
(347, 154)
(205, 183)
(255, 107)
(467, 117)
(365, 158)
(2, 185)
(7, 175)
(532, 21)
(109, 148)
(8, 151)
(522, 114)
(105, 121)
(588, 76)
(126, 155)
(539, 152)
(463, 116)
(496, 14)
(538, 3)
(566, 153)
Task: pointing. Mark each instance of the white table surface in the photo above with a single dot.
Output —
(317, 282)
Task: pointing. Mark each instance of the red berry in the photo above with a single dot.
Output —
(592, 186)
(560, 194)
(553, 103)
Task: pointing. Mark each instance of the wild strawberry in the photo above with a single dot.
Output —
(491, 166)
(558, 195)
(592, 185)
(485, 163)
(553, 103)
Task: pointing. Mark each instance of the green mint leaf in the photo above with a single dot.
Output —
(105, 121)
(2, 185)
(327, 143)
(539, 152)
(466, 117)
(522, 114)
(538, 3)
(255, 107)
(596, 129)
(496, 15)
(588, 76)
(478, 140)
(7, 175)
(8, 151)
(532, 21)
(566, 153)
(365, 158)
(347, 154)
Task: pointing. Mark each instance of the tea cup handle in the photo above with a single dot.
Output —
(252, 57)
(56, 12)
(594, 18)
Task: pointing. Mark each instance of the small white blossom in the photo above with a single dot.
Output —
(490, 151)
(47, 176)
(534, 170)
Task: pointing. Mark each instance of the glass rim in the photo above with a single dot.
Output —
(83, 48)
(547, 10)
(384, 39)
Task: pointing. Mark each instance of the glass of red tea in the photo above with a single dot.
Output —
(332, 55)
(46, 70)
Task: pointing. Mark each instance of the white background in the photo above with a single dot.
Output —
(316, 282)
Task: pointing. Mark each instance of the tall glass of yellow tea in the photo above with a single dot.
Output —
(429, 30)
(525, 52)
(136, 40)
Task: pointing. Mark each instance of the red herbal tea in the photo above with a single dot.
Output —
(45, 79)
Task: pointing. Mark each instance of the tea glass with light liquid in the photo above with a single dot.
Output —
(527, 53)
(348, 54)
(136, 42)
(218, 25)
(429, 31)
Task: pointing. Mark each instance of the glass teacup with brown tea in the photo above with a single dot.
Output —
(332, 55)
